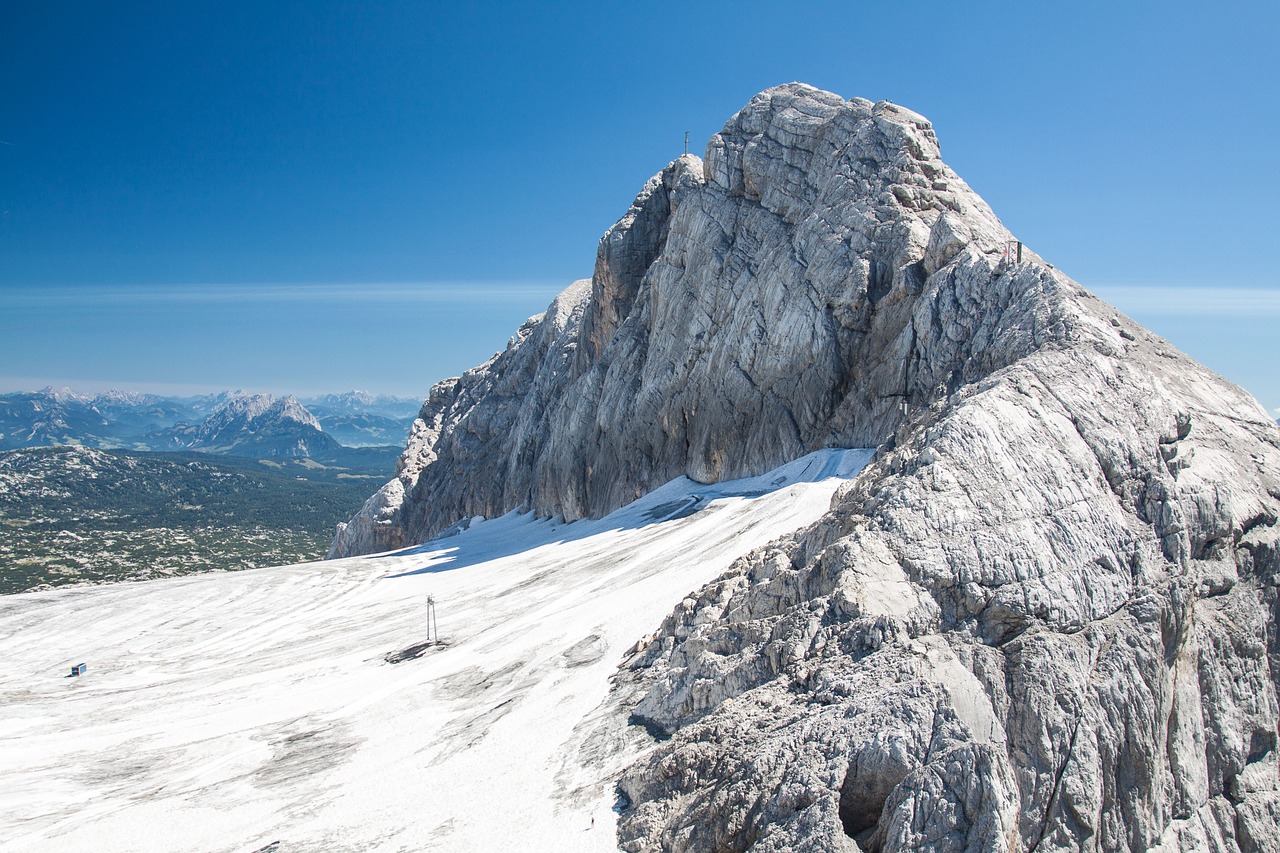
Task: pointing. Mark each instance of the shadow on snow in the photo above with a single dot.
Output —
(480, 541)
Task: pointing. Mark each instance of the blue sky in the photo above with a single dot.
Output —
(320, 195)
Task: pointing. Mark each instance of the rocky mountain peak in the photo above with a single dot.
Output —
(289, 409)
(348, 399)
(629, 248)
(1043, 619)
(262, 424)
(116, 397)
(746, 309)
(360, 402)
(254, 408)
(63, 395)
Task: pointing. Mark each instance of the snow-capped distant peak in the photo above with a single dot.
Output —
(64, 395)
(116, 397)
(260, 407)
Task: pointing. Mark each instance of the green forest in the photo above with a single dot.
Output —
(73, 515)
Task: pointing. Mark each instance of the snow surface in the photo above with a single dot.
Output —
(233, 711)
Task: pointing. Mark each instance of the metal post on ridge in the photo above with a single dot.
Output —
(686, 142)
(1012, 251)
(433, 627)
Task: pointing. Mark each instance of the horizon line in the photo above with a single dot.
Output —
(427, 291)
(93, 387)
(1170, 299)
(1191, 300)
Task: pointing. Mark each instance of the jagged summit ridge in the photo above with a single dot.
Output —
(746, 310)
(262, 423)
(1045, 618)
(251, 409)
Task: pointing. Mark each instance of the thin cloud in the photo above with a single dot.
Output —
(1148, 300)
(30, 307)
(11, 384)
(1241, 302)
(202, 294)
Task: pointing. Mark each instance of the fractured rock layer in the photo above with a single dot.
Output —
(746, 310)
(1045, 617)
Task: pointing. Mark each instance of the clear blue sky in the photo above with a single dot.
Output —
(320, 195)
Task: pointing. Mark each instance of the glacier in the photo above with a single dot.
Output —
(233, 711)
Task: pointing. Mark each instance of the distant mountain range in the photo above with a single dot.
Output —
(361, 419)
(125, 485)
(331, 428)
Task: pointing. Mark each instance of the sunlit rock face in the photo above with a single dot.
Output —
(746, 310)
(1043, 619)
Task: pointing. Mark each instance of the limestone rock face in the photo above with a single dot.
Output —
(746, 310)
(1045, 618)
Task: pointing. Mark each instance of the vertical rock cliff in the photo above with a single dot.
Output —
(1045, 618)
(746, 309)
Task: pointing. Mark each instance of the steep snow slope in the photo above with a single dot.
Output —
(229, 712)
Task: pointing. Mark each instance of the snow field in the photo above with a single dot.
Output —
(227, 712)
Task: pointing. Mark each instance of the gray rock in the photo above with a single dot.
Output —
(745, 311)
(259, 425)
(1067, 561)
(1045, 618)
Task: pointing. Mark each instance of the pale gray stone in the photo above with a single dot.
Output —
(744, 311)
(1044, 618)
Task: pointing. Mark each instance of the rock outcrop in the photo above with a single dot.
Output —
(1045, 618)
